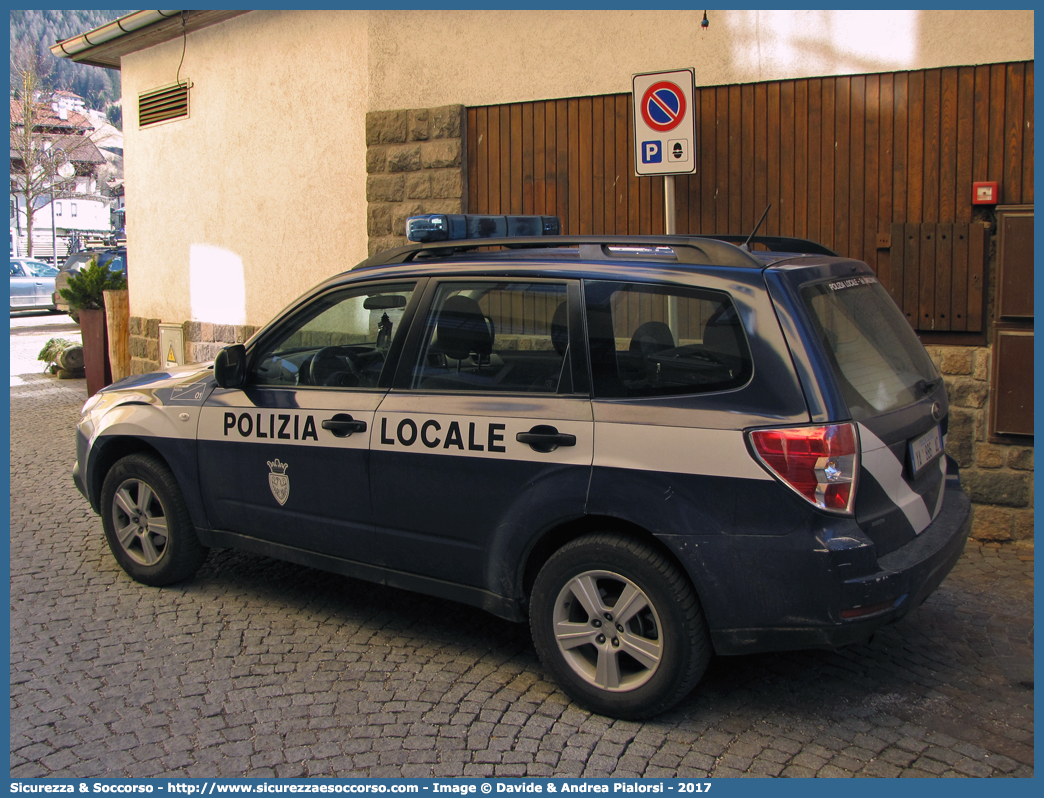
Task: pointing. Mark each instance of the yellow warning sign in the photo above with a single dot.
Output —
(170, 356)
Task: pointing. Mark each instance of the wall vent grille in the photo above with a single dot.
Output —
(163, 104)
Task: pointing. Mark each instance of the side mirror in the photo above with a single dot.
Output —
(230, 366)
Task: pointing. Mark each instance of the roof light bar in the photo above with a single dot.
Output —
(459, 226)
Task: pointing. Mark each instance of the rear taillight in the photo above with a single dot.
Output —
(818, 463)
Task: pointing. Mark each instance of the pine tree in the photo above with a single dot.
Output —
(42, 28)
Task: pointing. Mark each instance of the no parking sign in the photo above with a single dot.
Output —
(664, 123)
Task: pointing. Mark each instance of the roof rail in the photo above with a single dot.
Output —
(684, 249)
(799, 246)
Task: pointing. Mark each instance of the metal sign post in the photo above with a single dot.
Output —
(670, 223)
(665, 130)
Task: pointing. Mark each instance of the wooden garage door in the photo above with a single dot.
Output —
(868, 165)
(567, 158)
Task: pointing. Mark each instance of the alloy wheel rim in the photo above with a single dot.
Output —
(140, 522)
(608, 631)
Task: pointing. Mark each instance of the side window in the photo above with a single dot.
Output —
(341, 340)
(651, 340)
(496, 336)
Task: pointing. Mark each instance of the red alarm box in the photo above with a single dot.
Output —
(984, 193)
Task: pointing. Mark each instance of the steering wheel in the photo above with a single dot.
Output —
(333, 366)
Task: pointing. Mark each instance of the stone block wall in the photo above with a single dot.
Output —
(144, 345)
(997, 476)
(415, 163)
(202, 341)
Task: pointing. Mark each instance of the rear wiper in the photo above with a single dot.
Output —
(925, 387)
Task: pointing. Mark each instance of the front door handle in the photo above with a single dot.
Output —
(343, 425)
(545, 438)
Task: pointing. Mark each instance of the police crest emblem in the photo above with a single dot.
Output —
(278, 481)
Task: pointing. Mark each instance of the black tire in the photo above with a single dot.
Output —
(75, 316)
(668, 632)
(141, 498)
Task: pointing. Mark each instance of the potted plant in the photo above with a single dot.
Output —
(86, 297)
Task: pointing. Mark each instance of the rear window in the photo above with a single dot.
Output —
(116, 261)
(875, 354)
(75, 262)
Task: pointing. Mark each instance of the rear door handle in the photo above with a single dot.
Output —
(545, 438)
(343, 425)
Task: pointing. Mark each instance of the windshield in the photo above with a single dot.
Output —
(35, 268)
(878, 360)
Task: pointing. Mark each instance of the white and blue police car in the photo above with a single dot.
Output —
(655, 448)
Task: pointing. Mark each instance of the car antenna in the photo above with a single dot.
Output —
(754, 232)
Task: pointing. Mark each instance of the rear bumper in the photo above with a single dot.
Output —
(902, 581)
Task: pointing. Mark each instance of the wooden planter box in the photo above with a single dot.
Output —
(95, 350)
(117, 314)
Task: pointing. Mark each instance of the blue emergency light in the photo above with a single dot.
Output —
(460, 226)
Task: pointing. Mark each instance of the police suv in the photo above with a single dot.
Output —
(653, 447)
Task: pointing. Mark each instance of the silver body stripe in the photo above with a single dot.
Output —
(887, 469)
(676, 450)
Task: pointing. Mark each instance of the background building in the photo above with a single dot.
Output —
(73, 204)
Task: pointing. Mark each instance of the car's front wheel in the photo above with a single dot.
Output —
(147, 523)
(619, 626)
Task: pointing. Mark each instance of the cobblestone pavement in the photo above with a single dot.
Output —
(30, 330)
(262, 668)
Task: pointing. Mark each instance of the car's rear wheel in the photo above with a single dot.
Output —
(619, 626)
(147, 523)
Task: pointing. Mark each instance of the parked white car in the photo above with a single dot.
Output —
(32, 284)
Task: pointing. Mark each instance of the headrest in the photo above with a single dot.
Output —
(650, 338)
(462, 328)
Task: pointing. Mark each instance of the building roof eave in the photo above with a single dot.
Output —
(106, 45)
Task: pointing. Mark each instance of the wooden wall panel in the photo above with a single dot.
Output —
(852, 162)
(1011, 389)
(948, 144)
(1027, 139)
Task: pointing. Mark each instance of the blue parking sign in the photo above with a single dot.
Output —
(652, 152)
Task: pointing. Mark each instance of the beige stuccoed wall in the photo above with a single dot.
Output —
(427, 58)
(262, 192)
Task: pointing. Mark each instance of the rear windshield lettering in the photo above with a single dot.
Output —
(851, 282)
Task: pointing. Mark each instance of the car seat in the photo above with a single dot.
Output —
(463, 329)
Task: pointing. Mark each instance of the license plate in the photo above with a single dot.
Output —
(925, 449)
